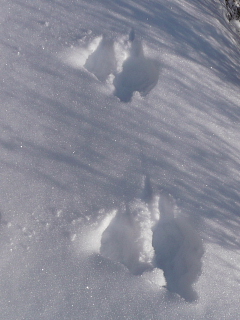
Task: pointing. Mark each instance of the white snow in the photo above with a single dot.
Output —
(96, 95)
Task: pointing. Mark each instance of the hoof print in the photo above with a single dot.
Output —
(102, 61)
(139, 74)
(146, 234)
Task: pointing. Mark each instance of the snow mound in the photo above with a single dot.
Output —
(89, 239)
(76, 57)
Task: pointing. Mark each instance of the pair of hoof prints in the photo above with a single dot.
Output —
(124, 62)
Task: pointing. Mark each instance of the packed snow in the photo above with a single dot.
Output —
(119, 138)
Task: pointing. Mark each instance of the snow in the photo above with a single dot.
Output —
(178, 250)
(139, 74)
(119, 137)
(128, 238)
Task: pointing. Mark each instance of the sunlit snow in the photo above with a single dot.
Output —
(119, 139)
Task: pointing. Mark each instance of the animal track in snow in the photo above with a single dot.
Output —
(124, 59)
(178, 250)
(102, 61)
(145, 234)
(128, 238)
(139, 74)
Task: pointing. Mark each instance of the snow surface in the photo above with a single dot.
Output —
(96, 97)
